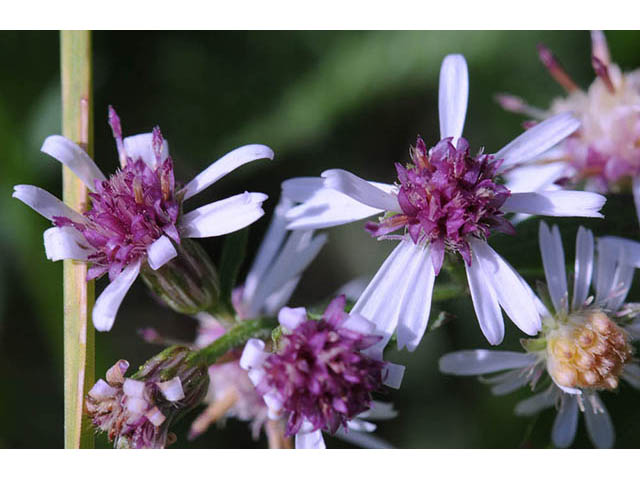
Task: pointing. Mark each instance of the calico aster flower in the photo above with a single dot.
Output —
(137, 412)
(318, 376)
(445, 200)
(604, 154)
(281, 259)
(136, 221)
(584, 347)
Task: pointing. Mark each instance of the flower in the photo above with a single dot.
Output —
(281, 259)
(138, 412)
(584, 347)
(318, 375)
(136, 218)
(445, 200)
(604, 154)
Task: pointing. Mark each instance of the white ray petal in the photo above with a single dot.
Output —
(453, 96)
(535, 403)
(357, 323)
(108, 303)
(480, 362)
(537, 140)
(583, 267)
(297, 253)
(310, 440)
(556, 203)
(384, 296)
(392, 375)
(631, 248)
(141, 147)
(225, 165)
(414, 313)
(290, 318)
(631, 374)
(554, 266)
(62, 243)
(636, 195)
(269, 248)
(513, 382)
(302, 189)
(379, 411)
(566, 422)
(599, 425)
(70, 154)
(328, 208)
(516, 300)
(253, 355)
(224, 216)
(360, 190)
(160, 252)
(534, 177)
(44, 203)
(485, 302)
(279, 298)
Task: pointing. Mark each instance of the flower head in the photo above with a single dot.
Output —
(319, 375)
(447, 195)
(584, 346)
(273, 276)
(604, 154)
(445, 200)
(138, 412)
(136, 222)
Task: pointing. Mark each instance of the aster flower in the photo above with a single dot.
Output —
(446, 200)
(584, 347)
(604, 154)
(137, 412)
(281, 259)
(136, 222)
(318, 376)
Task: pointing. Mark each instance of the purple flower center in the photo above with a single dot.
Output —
(130, 210)
(446, 195)
(320, 373)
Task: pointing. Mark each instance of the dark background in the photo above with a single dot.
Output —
(354, 100)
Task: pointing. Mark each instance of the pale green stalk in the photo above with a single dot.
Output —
(77, 125)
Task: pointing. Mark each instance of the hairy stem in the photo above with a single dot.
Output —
(234, 338)
(77, 125)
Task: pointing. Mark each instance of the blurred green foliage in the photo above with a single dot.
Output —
(354, 100)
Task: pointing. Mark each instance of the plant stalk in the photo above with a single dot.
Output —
(77, 125)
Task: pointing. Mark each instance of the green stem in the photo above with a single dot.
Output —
(236, 337)
(77, 125)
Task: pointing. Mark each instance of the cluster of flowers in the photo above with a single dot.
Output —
(311, 372)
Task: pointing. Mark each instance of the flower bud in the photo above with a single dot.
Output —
(137, 411)
(189, 283)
